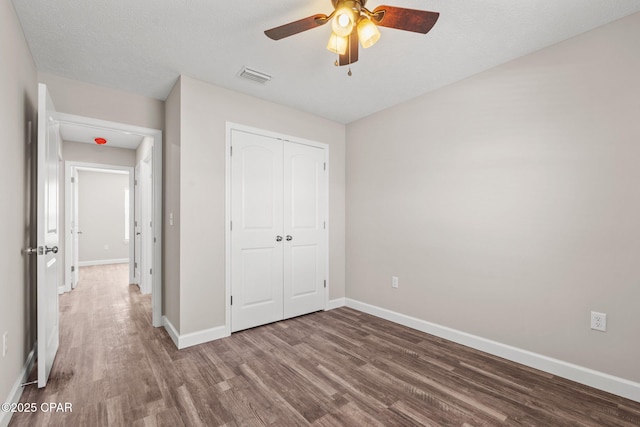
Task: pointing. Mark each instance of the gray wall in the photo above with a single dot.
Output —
(171, 206)
(204, 110)
(84, 99)
(508, 204)
(101, 216)
(18, 104)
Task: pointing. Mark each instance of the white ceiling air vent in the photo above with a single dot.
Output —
(254, 75)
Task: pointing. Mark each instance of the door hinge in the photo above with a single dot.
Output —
(154, 240)
(151, 271)
(231, 299)
(230, 225)
(325, 283)
(325, 165)
(73, 179)
(325, 225)
(135, 182)
(150, 223)
(231, 151)
(73, 268)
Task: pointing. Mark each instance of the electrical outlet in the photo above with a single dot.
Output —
(394, 282)
(598, 321)
(5, 343)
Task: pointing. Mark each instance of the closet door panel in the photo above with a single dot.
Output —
(304, 221)
(257, 218)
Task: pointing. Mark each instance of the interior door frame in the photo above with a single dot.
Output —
(156, 135)
(71, 168)
(136, 225)
(71, 221)
(145, 239)
(230, 126)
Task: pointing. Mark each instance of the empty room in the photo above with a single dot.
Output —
(332, 213)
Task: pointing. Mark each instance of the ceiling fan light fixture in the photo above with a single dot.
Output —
(368, 32)
(344, 20)
(337, 44)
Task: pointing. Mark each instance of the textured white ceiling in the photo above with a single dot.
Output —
(142, 46)
(87, 134)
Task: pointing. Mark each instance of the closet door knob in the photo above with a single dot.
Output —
(278, 238)
(289, 238)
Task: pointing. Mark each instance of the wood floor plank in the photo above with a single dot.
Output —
(336, 368)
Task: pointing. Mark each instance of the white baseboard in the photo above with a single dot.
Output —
(336, 303)
(173, 333)
(103, 262)
(193, 338)
(16, 390)
(579, 374)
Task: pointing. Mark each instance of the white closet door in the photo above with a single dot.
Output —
(304, 221)
(256, 212)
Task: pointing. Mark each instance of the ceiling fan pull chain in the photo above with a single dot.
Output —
(349, 47)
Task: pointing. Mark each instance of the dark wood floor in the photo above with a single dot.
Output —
(340, 367)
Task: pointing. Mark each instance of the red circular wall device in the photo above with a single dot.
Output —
(100, 141)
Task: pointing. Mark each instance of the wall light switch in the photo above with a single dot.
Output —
(394, 282)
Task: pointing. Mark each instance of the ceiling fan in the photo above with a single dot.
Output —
(352, 22)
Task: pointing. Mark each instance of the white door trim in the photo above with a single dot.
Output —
(156, 134)
(235, 126)
(146, 240)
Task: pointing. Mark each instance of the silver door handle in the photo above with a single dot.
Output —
(278, 238)
(78, 232)
(32, 251)
(289, 238)
(40, 251)
(138, 233)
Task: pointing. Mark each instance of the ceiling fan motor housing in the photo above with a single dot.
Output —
(337, 3)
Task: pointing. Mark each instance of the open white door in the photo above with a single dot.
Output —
(47, 250)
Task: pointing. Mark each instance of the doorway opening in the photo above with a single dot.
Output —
(139, 203)
(99, 214)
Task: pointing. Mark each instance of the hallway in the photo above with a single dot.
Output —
(105, 336)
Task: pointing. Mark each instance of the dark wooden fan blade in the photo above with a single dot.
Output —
(351, 55)
(296, 27)
(418, 21)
